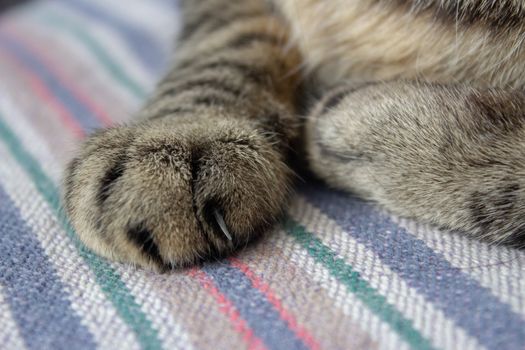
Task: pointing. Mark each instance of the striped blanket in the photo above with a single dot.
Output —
(337, 274)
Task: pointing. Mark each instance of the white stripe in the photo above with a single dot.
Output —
(87, 300)
(161, 316)
(427, 319)
(139, 13)
(9, 335)
(344, 301)
(85, 58)
(108, 38)
(51, 53)
(498, 268)
(34, 144)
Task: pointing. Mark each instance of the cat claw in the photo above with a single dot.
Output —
(222, 224)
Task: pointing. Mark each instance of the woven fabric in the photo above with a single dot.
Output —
(337, 274)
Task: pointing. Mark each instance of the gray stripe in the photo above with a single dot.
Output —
(36, 296)
(462, 299)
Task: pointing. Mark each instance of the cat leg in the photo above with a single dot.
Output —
(450, 155)
(203, 169)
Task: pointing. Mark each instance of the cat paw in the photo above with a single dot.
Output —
(164, 194)
(449, 155)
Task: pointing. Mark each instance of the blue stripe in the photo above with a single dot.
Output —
(79, 111)
(35, 295)
(462, 299)
(253, 307)
(144, 46)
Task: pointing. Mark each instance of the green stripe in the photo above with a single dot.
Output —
(108, 279)
(351, 279)
(95, 48)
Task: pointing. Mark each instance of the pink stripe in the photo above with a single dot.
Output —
(39, 89)
(301, 332)
(97, 111)
(227, 308)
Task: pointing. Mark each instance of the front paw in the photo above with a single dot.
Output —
(164, 194)
(451, 155)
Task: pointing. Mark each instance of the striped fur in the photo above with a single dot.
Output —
(198, 172)
(205, 170)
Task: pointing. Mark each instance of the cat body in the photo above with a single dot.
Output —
(422, 111)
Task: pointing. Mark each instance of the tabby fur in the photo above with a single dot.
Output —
(422, 110)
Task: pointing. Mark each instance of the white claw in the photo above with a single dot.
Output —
(222, 224)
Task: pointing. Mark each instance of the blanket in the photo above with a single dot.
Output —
(337, 273)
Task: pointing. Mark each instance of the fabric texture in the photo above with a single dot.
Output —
(337, 274)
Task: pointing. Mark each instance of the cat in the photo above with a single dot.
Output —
(421, 109)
